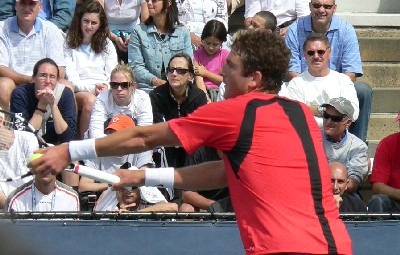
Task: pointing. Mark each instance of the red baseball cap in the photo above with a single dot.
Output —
(119, 122)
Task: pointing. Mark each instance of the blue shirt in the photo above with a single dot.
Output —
(345, 52)
(46, 13)
(148, 53)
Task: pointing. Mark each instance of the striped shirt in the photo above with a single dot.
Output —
(20, 52)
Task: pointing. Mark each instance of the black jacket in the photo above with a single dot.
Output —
(166, 108)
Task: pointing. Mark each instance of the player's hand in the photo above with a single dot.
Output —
(129, 178)
(54, 160)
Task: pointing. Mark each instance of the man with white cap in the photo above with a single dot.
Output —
(385, 176)
(342, 146)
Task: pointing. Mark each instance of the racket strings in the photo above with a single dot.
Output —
(6, 132)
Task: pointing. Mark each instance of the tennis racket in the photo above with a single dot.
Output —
(9, 122)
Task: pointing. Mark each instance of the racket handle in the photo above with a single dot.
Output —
(95, 174)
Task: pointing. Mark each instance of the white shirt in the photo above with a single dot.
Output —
(284, 10)
(105, 107)
(13, 162)
(319, 90)
(20, 52)
(29, 198)
(84, 70)
(123, 16)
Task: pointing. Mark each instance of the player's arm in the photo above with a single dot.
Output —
(205, 176)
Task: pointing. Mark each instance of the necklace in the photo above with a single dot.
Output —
(53, 198)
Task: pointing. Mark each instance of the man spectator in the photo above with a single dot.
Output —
(59, 12)
(385, 177)
(319, 84)
(345, 202)
(345, 53)
(43, 194)
(281, 205)
(342, 146)
(24, 40)
(286, 12)
(264, 20)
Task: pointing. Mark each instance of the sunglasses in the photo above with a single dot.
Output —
(334, 118)
(180, 71)
(123, 85)
(319, 52)
(326, 6)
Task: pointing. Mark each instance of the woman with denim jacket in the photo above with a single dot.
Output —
(154, 42)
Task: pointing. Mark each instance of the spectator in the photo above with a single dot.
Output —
(123, 98)
(90, 57)
(110, 164)
(177, 98)
(345, 202)
(342, 146)
(385, 177)
(209, 59)
(345, 53)
(194, 201)
(319, 84)
(20, 53)
(195, 14)
(59, 12)
(154, 42)
(258, 132)
(143, 199)
(264, 20)
(48, 105)
(286, 12)
(123, 16)
(15, 148)
(43, 194)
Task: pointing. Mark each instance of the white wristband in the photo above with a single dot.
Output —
(83, 149)
(159, 177)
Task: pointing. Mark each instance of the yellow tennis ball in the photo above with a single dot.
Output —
(35, 156)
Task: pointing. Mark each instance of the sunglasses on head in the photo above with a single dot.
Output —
(312, 52)
(326, 6)
(334, 118)
(178, 70)
(123, 85)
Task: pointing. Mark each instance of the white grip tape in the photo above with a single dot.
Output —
(159, 177)
(84, 149)
(95, 174)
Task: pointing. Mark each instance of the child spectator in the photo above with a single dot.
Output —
(210, 58)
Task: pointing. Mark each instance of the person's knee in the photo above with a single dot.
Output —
(363, 89)
(186, 208)
(6, 87)
(67, 84)
(88, 102)
(379, 203)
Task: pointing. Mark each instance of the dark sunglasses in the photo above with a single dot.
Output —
(319, 52)
(334, 118)
(178, 70)
(123, 85)
(326, 6)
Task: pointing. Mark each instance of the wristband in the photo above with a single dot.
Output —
(84, 149)
(40, 110)
(159, 177)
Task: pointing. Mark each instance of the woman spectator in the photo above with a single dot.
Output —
(154, 42)
(177, 98)
(90, 57)
(194, 14)
(122, 98)
(123, 16)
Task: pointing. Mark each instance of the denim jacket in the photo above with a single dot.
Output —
(147, 51)
(61, 10)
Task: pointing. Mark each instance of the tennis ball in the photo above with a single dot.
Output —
(35, 156)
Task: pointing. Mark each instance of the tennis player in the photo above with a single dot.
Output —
(274, 162)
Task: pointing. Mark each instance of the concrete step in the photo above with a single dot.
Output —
(386, 100)
(381, 75)
(381, 125)
(379, 49)
(372, 144)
